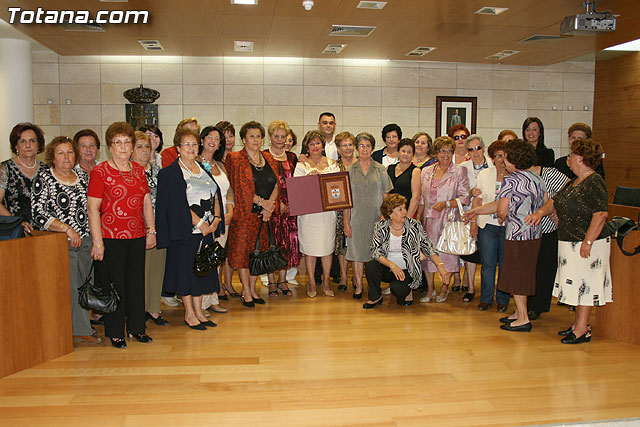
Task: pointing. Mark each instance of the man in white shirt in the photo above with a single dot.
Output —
(327, 127)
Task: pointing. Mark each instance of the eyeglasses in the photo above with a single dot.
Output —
(499, 156)
(189, 144)
(446, 151)
(363, 146)
(478, 148)
(458, 137)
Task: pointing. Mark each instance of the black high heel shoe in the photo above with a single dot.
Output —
(259, 301)
(223, 297)
(143, 338)
(119, 343)
(368, 305)
(357, 296)
(232, 293)
(249, 304)
(572, 339)
(157, 320)
(568, 331)
(198, 327)
(209, 323)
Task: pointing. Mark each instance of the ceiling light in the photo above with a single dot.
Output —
(334, 48)
(503, 54)
(633, 45)
(351, 30)
(377, 5)
(420, 51)
(490, 10)
(250, 2)
(240, 46)
(151, 44)
(307, 4)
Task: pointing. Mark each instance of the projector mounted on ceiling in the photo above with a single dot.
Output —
(589, 23)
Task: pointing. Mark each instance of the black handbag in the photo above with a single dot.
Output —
(266, 261)
(93, 297)
(11, 227)
(619, 227)
(208, 258)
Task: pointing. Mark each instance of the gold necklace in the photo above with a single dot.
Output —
(259, 164)
(129, 176)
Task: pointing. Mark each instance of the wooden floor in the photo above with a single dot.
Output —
(326, 361)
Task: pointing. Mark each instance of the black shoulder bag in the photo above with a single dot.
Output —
(266, 261)
(619, 228)
(11, 227)
(94, 297)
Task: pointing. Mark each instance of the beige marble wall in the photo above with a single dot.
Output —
(363, 94)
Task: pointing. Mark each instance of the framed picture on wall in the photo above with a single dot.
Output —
(454, 110)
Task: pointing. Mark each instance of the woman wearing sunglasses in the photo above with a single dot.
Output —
(459, 134)
(479, 161)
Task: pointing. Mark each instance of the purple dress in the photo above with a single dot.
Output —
(453, 185)
(285, 227)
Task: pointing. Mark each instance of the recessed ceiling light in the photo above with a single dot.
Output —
(420, 51)
(502, 54)
(377, 5)
(490, 10)
(151, 44)
(633, 45)
(334, 48)
(241, 46)
(351, 30)
(251, 2)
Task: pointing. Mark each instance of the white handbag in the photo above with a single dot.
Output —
(456, 236)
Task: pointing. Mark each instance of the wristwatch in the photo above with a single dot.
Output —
(588, 242)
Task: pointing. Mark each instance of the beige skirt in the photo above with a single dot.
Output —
(584, 281)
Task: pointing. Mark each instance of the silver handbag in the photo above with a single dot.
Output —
(456, 236)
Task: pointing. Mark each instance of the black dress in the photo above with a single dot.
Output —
(402, 183)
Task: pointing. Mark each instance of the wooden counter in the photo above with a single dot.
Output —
(620, 320)
(35, 306)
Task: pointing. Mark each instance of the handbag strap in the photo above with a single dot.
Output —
(460, 207)
(271, 242)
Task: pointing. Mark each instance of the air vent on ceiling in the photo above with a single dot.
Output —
(542, 37)
(503, 54)
(82, 27)
(489, 10)
(334, 48)
(376, 5)
(351, 30)
(241, 46)
(151, 44)
(421, 51)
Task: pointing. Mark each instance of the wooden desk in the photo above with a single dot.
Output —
(620, 320)
(35, 305)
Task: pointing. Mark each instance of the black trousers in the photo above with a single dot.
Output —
(124, 261)
(545, 273)
(377, 273)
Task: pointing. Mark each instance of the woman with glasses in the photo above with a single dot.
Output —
(122, 226)
(370, 184)
(441, 185)
(391, 135)
(479, 161)
(189, 209)
(459, 134)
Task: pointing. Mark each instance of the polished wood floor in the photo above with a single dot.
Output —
(328, 362)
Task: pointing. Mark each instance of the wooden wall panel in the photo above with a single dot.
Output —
(615, 119)
(35, 308)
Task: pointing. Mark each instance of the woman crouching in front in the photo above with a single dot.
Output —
(397, 247)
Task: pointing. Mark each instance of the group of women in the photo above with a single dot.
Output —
(146, 223)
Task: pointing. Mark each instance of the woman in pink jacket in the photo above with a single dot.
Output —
(441, 184)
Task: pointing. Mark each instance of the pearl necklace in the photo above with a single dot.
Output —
(197, 175)
(280, 156)
(35, 163)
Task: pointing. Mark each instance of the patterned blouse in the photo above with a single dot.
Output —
(152, 180)
(526, 193)
(17, 186)
(52, 199)
(122, 194)
(414, 240)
